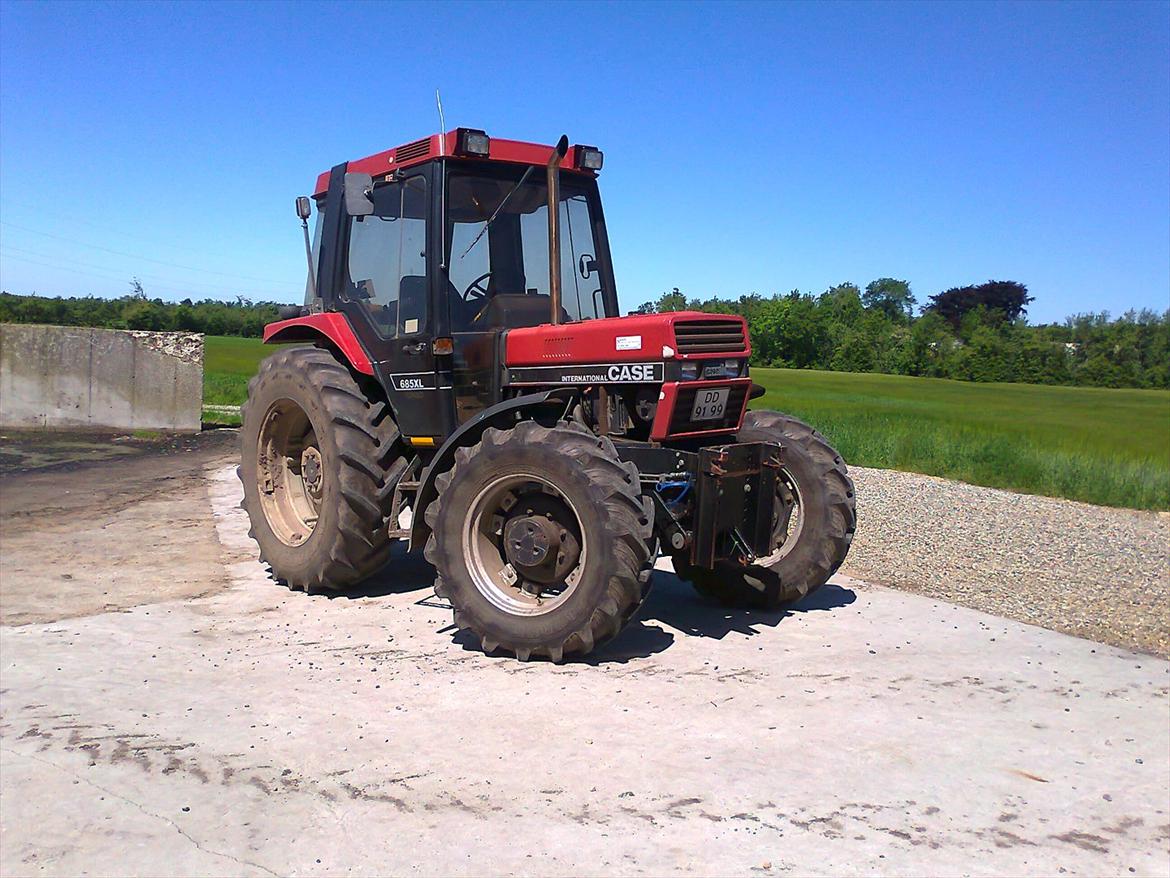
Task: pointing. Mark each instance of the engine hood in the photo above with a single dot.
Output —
(638, 338)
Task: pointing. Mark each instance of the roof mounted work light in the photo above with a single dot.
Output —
(589, 158)
(472, 141)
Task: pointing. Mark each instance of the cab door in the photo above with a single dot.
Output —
(385, 292)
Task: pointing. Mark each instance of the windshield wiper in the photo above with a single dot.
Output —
(491, 219)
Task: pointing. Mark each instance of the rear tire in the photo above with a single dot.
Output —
(319, 464)
(817, 479)
(509, 484)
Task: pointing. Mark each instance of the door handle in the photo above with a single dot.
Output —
(415, 348)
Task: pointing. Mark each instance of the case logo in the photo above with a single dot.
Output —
(634, 372)
(602, 373)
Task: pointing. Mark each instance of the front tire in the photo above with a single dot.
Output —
(816, 517)
(319, 463)
(540, 539)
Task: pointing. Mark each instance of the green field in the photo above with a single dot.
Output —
(1110, 447)
(228, 363)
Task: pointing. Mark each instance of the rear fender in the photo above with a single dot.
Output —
(550, 403)
(330, 327)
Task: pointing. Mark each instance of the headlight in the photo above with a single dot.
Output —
(689, 371)
(715, 369)
(472, 141)
(589, 158)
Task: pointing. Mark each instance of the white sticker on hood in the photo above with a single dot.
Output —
(629, 342)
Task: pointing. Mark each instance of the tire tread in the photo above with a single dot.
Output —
(370, 463)
(615, 485)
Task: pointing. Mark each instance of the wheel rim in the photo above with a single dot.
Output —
(514, 522)
(290, 472)
(795, 520)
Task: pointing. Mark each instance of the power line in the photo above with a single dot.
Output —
(166, 288)
(73, 218)
(140, 257)
(89, 274)
(53, 260)
(184, 292)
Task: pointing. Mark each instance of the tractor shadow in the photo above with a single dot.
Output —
(404, 572)
(672, 602)
(675, 603)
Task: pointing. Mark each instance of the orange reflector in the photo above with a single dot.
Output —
(443, 346)
(423, 441)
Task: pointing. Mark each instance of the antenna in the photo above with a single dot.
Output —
(442, 124)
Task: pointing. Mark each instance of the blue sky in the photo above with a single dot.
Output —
(749, 147)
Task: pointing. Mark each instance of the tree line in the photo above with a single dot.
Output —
(971, 333)
(242, 317)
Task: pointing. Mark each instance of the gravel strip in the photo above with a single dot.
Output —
(1090, 571)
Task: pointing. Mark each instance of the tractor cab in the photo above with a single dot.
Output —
(435, 248)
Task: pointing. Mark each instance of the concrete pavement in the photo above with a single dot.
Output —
(258, 731)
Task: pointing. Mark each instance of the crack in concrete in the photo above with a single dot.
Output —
(237, 860)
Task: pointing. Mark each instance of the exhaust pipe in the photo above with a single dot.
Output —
(554, 225)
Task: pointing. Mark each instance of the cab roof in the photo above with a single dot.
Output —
(438, 145)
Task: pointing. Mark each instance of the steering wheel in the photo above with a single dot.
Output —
(477, 289)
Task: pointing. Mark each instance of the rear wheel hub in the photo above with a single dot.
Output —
(311, 471)
(528, 540)
(523, 547)
(539, 542)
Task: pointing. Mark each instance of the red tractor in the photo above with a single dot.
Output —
(467, 385)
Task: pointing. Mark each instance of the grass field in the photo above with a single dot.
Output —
(228, 363)
(1110, 447)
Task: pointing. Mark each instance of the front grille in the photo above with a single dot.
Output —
(412, 150)
(684, 404)
(710, 337)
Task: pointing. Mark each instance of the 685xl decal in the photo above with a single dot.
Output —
(413, 381)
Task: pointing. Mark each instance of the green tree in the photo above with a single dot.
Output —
(788, 331)
(672, 301)
(928, 347)
(890, 296)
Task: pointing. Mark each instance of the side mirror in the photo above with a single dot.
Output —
(304, 209)
(359, 194)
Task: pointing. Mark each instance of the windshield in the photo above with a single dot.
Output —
(507, 259)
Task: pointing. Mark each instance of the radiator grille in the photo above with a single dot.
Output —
(710, 337)
(412, 150)
(684, 404)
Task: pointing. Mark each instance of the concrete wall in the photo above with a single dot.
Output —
(63, 376)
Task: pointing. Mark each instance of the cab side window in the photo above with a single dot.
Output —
(387, 267)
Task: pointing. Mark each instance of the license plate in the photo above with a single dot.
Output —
(710, 404)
